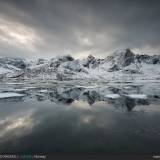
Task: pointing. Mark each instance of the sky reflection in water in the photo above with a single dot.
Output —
(76, 119)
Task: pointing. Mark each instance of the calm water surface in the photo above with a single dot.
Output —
(60, 119)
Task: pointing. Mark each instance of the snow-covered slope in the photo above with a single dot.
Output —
(121, 65)
(9, 66)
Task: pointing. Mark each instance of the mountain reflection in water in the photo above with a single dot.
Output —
(84, 119)
(68, 94)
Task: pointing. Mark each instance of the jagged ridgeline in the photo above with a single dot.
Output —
(121, 64)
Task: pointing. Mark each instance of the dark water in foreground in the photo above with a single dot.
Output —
(80, 119)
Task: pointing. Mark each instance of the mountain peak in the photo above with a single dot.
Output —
(91, 61)
(122, 52)
(90, 57)
(123, 57)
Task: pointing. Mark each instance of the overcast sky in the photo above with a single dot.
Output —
(46, 28)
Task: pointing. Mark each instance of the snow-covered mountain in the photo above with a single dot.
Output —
(123, 64)
(12, 65)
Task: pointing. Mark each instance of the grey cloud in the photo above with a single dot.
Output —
(79, 26)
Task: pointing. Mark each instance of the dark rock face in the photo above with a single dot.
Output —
(114, 68)
(92, 62)
(128, 58)
(122, 58)
(142, 58)
(56, 62)
(66, 58)
(155, 59)
(17, 62)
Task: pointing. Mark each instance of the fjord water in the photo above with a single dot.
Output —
(74, 118)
